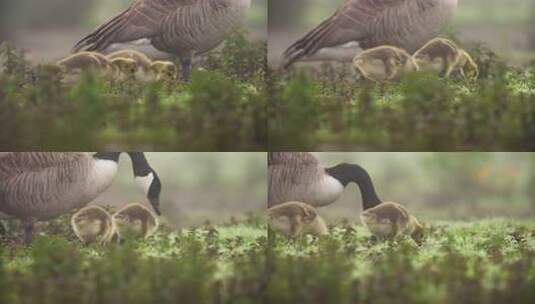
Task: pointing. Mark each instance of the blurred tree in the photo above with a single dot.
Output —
(457, 178)
(530, 184)
(36, 13)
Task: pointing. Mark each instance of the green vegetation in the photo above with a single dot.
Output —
(489, 261)
(223, 108)
(222, 264)
(331, 107)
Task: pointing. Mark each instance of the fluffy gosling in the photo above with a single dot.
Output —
(124, 68)
(135, 221)
(295, 218)
(164, 70)
(391, 220)
(93, 224)
(384, 63)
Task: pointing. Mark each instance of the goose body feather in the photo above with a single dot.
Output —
(300, 177)
(41, 185)
(179, 27)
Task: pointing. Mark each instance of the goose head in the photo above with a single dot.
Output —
(147, 179)
(351, 173)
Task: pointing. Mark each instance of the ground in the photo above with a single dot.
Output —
(479, 261)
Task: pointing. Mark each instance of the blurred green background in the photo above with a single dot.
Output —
(47, 30)
(198, 187)
(508, 27)
(445, 186)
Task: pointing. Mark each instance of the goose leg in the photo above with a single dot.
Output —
(185, 62)
(3, 228)
(28, 230)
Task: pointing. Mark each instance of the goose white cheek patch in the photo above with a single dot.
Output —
(144, 182)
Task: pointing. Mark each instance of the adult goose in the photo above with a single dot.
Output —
(299, 176)
(180, 27)
(41, 185)
(407, 24)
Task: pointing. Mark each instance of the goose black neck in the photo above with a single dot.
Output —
(113, 156)
(140, 164)
(347, 173)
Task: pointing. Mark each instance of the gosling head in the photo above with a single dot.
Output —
(467, 66)
(93, 224)
(135, 221)
(126, 66)
(164, 70)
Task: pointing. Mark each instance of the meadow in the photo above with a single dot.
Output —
(331, 107)
(208, 264)
(484, 261)
(479, 261)
(223, 107)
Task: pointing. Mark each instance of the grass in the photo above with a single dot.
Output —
(222, 108)
(485, 261)
(332, 108)
(221, 264)
(489, 261)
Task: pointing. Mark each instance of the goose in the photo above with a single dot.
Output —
(135, 220)
(390, 220)
(299, 176)
(384, 63)
(407, 24)
(93, 224)
(181, 27)
(37, 186)
(293, 218)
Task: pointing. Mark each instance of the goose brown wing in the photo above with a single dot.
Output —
(13, 164)
(141, 20)
(351, 22)
(288, 158)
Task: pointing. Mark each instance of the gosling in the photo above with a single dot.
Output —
(135, 221)
(93, 224)
(384, 63)
(295, 218)
(124, 68)
(164, 70)
(143, 62)
(390, 220)
(439, 55)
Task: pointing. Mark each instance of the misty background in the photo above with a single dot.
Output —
(507, 27)
(47, 30)
(197, 187)
(442, 186)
